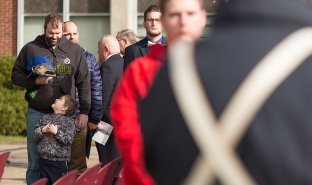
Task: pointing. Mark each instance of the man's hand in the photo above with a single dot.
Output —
(43, 80)
(92, 126)
(81, 120)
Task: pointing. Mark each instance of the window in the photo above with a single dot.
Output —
(40, 6)
(91, 16)
(89, 6)
(144, 4)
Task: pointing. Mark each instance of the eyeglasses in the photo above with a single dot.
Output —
(151, 20)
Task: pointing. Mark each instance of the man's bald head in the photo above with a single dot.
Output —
(71, 31)
(111, 43)
(107, 45)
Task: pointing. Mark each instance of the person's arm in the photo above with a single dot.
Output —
(38, 131)
(82, 81)
(127, 128)
(113, 76)
(95, 112)
(128, 57)
(65, 131)
(19, 75)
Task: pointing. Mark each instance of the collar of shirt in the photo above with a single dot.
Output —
(110, 56)
(150, 42)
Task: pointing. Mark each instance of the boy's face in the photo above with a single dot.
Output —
(58, 105)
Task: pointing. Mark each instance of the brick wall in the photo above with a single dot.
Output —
(8, 27)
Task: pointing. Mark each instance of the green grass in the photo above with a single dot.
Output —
(13, 139)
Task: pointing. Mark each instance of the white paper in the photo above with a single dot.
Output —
(103, 132)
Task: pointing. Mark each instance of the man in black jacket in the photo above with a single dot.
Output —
(111, 71)
(153, 27)
(68, 61)
(275, 149)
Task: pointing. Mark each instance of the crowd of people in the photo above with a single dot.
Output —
(132, 87)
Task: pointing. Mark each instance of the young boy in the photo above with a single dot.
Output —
(55, 133)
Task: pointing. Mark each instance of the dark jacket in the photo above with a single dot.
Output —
(276, 148)
(111, 72)
(138, 49)
(71, 68)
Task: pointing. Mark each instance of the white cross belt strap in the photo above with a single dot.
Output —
(218, 138)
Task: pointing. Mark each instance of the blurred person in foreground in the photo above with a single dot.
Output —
(153, 28)
(180, 18)
(125, 38)
(275, 148)
(68, 61)
(111, 71)
(83, 135)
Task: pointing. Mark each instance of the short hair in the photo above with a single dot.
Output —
(54, 19)
(71, 104)
(71, 22)
(127, 34)
(163, 3)
(152, 8)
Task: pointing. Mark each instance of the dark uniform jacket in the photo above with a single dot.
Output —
(276, 149)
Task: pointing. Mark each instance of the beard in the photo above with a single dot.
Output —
(153, 33)
(52, 42)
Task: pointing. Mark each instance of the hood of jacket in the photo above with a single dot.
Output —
(63, 45)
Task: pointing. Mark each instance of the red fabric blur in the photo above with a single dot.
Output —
(132, 88)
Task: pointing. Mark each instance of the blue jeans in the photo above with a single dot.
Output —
(33, 170)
